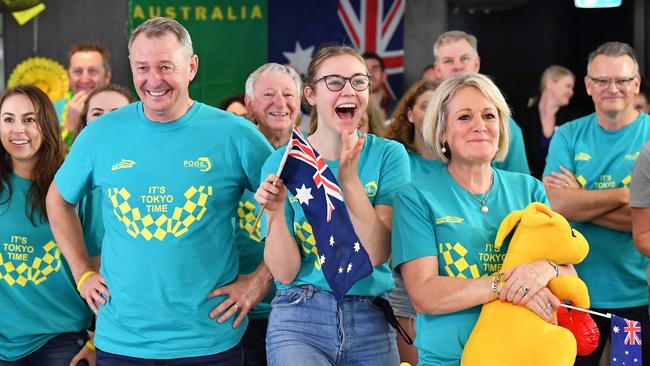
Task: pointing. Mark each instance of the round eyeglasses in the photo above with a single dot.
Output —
(358, 82)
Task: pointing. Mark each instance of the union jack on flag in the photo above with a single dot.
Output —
(372, 29)
(298, 28)
(343, 259)
(301, 150)
(625, 341)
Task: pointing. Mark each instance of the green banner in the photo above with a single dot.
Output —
(230, 38)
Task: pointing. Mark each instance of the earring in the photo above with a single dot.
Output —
(443, 149)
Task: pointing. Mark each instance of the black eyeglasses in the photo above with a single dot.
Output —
(358, 82)
(604, 83)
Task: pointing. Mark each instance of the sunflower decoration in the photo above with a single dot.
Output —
(47, 74)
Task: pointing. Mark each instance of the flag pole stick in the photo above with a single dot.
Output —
(277, 174)
(608, 315)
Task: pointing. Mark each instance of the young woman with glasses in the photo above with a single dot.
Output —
(307, 326)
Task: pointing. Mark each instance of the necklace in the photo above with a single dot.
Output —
(484, 208)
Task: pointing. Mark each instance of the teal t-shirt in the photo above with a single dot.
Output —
(614, 270)
(383, 168)
(516, 160)
(38, 295)
(251, 248)
(169, 196)
(435, 216)
(421, 166)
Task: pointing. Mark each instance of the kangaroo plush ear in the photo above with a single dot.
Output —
(506, 227)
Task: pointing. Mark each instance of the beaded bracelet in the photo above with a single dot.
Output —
(494, 287)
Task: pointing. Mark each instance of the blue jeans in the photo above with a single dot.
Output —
(231, 357)
(58, 351)
(308, 328)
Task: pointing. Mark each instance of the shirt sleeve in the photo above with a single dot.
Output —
(75, 177)
(640, 186)
(412, 234)
(516, 160)
(253, 150)
(271, 167)
(396, 172)
(559, 152)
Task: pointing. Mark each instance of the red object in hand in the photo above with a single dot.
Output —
(582, 326)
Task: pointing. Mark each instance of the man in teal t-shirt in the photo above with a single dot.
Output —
(587, 177)
(273, 103)
(171, 171)
(456, 53)
(88, 69)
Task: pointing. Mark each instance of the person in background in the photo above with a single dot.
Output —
(642, 100)
(378, 76)
(545, 113)
(587, 177)
(88, 68)
(429, 72)
(103, 100)
(445, 223)
(273, 103)
(406, 128)
(44, 320)
(307, 325)
(234, 104)
(456, 53)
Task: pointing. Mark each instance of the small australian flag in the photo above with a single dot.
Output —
(343, 259)
(626, 342)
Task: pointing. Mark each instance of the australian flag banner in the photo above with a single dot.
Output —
(298, 28)
(344, 261)
(626, 342)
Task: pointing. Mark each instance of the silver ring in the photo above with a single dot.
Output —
(526, 289)
(547, 306)
(236, 306)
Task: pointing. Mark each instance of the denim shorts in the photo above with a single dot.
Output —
(307, 328)
(399, 299)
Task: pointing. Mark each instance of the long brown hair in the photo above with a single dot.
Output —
(400, 129)
(110, 88)
(50, 154)
(324, 53)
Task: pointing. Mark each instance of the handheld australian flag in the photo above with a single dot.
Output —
(343, 259)
(626, 341)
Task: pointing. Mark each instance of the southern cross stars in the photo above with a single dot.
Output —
(357, 247)
(303, 194)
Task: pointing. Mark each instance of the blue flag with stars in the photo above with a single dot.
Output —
(626, 342)
(307, 177)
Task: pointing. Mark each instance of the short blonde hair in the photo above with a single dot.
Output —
(435, 118)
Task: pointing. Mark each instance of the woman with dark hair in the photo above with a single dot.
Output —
(102, 100)
(307, 325)
(44, 320)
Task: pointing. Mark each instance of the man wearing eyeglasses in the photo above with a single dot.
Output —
(587, 178)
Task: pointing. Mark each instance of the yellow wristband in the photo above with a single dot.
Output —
(90, 345)
(83, 278)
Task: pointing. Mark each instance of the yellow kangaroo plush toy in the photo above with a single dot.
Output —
(512, 335)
